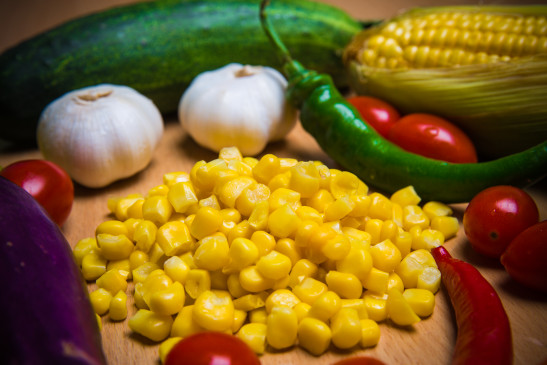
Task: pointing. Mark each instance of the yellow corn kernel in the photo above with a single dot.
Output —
(304, 178)
(302, 269)
(413, 215)
(357, 262)
(326, 306)
(397, 214)
(314, 336)
(258, 315)
(124, 266)
(207, 221)
(176, 269)
(114, 247)
(355, 303)
(124, 207)
(155, 281)
(280, 181)
(214, 310)
(380, 207)
(390, 230)
(399, 310)
(211, 201)
(370, 333)
(212, 252)
(258, 219)
(283, 222)
(282, 328)
(352, 222)
(230, 153)
(346, 328)
(131, 224)
(430, 279)
(100, 300)
(307, 213)
(385, 256)
(99, 321)
(174, 238)
(285, 163)
(403, 241)
(158, 190)
(361, 205)
(232, 189)
(84, 247)
(358, 235)
(346, 183)
(141, 272)
(174, 177)
(167, 301)
(138, 296)
(242, 253)
(145, 235)
(248, 302)
(93, 266)
(274, 265)
(157, 209)
(436, 209)
(422, 301)
(309, 290)
(197, 282)
(396, 282)
(156, 254)
(428, 239)
(253, 281)
(412, 265)
(112, 227)
(166, 347)
(374, 228)
(281, 298)
(254, 335)
(406, 196)
(282, 196)
(184, 323)
(182, 196)
(266, 168)
(242, 229)
(153, 326)
(448, 226)
(346, 285)
(320, 200)
(339, 208)
(317, 241)
(117, 310)
(249, 198)
(287, 247)
(375, 305)
(113, 281)
(376, 280)
(304, 231)
(234, 286)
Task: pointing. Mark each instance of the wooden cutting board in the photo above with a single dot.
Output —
(429, 342)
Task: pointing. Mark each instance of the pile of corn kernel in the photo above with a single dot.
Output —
(276, 251)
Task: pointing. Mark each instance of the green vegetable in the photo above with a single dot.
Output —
(341, 132)
(157, 48)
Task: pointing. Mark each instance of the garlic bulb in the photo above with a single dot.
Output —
(100, 134)
(237, 105)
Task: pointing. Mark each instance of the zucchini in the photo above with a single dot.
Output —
(47, 315)
(158, 47)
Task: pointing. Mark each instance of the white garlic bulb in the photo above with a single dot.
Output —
(237, 105)
(100, 134)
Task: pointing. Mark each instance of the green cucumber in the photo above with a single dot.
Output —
(158, 48)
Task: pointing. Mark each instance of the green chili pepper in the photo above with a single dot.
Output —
(349, 140)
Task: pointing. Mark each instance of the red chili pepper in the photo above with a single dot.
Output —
(484, 332)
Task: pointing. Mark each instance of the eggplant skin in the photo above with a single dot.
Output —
(47, 317)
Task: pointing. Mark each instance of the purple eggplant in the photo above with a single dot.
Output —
(47, 317)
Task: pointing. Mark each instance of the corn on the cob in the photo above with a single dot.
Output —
(483, 68)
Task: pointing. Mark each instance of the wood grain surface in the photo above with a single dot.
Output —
(429, 342)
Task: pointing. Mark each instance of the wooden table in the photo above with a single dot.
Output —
(428, 342)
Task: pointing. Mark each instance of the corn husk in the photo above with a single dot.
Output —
(502, 106)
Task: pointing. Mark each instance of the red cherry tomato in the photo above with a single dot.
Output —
(377, 113)
(433, 137)
(525, 257)
(210, 348)
(359, 360)
(495, 216)
(48, 183)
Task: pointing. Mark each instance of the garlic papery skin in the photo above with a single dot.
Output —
(100, 134)
(237, 105)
